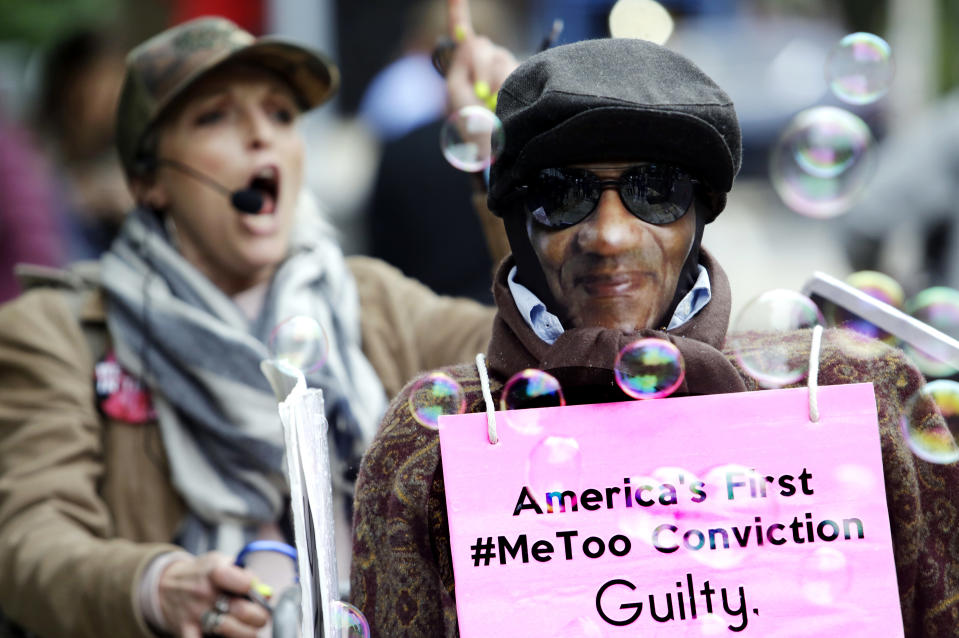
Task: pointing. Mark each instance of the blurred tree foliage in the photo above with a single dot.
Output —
(40, 22)
(949, 43)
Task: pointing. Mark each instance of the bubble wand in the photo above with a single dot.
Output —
(311, 492)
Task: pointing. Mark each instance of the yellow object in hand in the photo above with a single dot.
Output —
(482, 90)
(262, 589)
(485, 95)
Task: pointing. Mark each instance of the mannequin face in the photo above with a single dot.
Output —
(238, 126)
(613, 270)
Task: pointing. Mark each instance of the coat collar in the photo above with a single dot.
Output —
(585, 357)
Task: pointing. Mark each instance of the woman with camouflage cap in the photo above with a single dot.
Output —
(123, 501)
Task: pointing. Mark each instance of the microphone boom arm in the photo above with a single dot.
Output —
(248, 201)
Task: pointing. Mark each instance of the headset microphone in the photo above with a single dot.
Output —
(248, 201)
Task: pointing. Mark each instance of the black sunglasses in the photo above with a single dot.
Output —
(654, 193)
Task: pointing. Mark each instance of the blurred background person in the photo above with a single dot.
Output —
(60, 189)
(76, 106)
(29, 231)
(417, 195)
(140, 444)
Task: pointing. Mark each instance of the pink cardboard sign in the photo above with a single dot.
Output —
(694, 516)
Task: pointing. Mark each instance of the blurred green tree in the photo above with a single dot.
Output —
(949, 45)
(40, 22)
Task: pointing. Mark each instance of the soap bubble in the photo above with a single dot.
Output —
(649, 369)
(531, 388)
(434, 395)
(640, 19)
(299, 342)
(758, 348)
(472, 138)
(555, 465)
(878, 286)
(348, 621)
(860, 68)
(825, 575)
(822, 161)
(855, 481)
(938, 307)
(713, 624)
(928, 438)
(582, 627)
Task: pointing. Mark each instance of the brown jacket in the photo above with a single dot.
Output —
(85, 501)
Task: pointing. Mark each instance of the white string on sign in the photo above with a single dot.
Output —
(813, 381)
(488, 398)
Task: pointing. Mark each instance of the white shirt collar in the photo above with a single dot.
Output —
(548, 327)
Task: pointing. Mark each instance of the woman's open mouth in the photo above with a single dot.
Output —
(266, 181)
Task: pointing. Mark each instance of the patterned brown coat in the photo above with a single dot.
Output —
(402, 569)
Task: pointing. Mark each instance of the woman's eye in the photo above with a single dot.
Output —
(284, 115)
(209, 117)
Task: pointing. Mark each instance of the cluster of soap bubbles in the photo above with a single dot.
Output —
(937, 307)
(773, 365)
(644, 369)
(758, 338)
(824, 158)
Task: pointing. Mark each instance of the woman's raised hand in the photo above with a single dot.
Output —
(203, 595)
(478, 67)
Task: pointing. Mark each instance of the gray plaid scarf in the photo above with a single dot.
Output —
(200, 355)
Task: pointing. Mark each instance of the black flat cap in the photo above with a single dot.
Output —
(616, 99)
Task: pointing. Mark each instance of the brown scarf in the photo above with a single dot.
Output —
(582, 359)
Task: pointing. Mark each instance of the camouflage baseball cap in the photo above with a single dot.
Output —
(165, 66)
